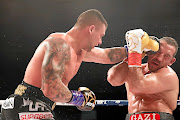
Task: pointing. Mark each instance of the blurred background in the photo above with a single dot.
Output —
(26, 23)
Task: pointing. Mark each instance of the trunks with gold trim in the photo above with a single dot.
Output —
(26, 90)
(27, 102)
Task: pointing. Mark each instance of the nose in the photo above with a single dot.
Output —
(160, 57)
(100, 42)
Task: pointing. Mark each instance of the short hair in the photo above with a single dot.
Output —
(89, 17)
(171, 41)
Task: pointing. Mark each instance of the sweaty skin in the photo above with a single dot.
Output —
(160, 96)
(56, 62)
(153, 87)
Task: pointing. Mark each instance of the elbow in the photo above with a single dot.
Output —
(110, 80)
(113, 80)
(46, 93)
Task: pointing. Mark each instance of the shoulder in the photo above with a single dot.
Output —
(168, 75)
(56, 40)
(55, 45)
(166, 71)
(57, 35)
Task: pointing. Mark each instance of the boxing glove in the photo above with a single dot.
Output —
(139, 41)
(84, 99)
(89, 101)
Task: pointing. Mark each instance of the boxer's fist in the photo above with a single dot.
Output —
(89, 99)
(139, 41)
(133, 39)
(153, 45)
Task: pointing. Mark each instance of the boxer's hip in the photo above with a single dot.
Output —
(149, 116)
(28, 91)
(27, 102)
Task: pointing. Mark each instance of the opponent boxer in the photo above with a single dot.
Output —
(55, 62)
(152, 88)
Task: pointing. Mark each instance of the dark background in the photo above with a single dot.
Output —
(25, 23)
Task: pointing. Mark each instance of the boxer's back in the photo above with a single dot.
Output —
(33, 71)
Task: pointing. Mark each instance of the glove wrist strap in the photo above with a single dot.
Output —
(134, 59)
(77, 98)
(126, 50)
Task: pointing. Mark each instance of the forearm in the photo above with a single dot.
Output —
(117, 74)
(135, 79)
(56, 90)
(106, 56)
(116, 55)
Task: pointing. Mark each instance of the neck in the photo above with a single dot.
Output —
(75, 38)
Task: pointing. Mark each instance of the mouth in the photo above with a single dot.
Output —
(155, 63)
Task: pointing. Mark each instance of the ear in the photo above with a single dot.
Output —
(172, 61)
(91, 28)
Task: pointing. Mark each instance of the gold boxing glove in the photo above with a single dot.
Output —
(89, 99)
(138, 42)
(149, 43)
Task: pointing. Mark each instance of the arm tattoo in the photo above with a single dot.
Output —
(56, 54)
(116, 55)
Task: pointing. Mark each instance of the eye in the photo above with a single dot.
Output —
(167, 56)
(158, 53)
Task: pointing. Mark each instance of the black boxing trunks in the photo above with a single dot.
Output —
(28, 102)
(149, 116)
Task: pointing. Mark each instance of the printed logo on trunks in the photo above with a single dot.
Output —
(20, 90)
(8, 103)
(35, 115)
(145, 116)
(34, 106)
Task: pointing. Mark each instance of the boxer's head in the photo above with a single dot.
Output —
(93, 25)
(91, 17)
(165, 56)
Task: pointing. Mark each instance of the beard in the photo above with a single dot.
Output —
(89, 47)
(154, 65)
(89, 50)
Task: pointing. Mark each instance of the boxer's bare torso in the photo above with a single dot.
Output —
(33, 71)
(154, 91)
(164, 101)
(58, 58)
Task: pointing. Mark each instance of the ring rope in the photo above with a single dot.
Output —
(99, 103)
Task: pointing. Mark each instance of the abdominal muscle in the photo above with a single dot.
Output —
(147, 103)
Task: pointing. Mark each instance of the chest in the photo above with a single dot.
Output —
(72, 66)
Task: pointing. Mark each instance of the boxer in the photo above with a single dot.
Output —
(54, 63)
(152, 88)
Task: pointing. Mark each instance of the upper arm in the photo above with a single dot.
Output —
(162, 80)
(57, 52)
(105, 56)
